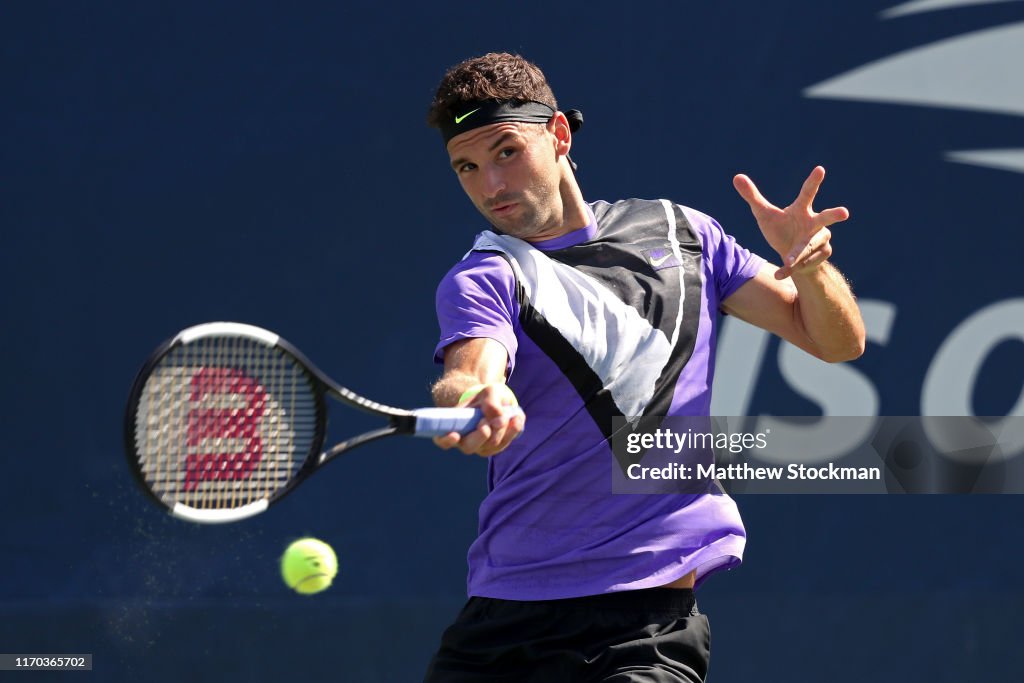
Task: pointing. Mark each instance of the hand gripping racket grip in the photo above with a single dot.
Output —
(440, 421)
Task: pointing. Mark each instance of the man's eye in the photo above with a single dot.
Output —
(506, 153)
(466, 167)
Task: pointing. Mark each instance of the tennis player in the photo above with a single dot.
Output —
(582, 312)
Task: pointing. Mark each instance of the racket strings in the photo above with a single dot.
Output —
(223, 422)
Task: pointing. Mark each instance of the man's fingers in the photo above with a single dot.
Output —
(471, 443)
(808, 259)
(504, 430)
(497, 439)
(487, 440)
(836, 215)
(516, 424)
(816, 240)
(810, 187)
(798, 258)
(813, 259)
(748, 190)
(493, 400)
(447, 441)
(509, 434)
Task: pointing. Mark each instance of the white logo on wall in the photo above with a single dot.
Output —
(978, 71)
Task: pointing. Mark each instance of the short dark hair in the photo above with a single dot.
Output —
(494, 76)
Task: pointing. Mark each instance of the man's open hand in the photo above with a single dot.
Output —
(798, 233)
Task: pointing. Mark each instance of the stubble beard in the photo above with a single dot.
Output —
(535, 217)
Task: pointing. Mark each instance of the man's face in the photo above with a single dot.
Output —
(510, 172)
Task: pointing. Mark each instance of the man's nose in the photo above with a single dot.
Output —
(494, 181)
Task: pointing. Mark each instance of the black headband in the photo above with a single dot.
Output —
(484, 113)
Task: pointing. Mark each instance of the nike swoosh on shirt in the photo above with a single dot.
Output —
(658, 261)
(459, 119)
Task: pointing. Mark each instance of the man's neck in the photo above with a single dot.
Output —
(574, 209)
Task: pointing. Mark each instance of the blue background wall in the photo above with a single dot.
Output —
(165, 164)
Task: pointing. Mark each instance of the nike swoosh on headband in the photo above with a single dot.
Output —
(460, 119)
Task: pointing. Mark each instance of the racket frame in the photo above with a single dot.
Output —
(400, 421)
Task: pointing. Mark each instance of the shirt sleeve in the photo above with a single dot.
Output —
(731, 265)
(477, 299)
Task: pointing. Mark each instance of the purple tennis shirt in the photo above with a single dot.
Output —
(550, 526)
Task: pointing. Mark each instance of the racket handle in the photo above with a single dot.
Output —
(440, 421)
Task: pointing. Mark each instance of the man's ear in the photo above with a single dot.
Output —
(558, 126)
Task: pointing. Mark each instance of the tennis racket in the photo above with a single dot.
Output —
(225, 419)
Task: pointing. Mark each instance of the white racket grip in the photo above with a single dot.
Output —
(441, 421)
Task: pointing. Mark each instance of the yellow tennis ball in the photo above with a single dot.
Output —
(308, 566)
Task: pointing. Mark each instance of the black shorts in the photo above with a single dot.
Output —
(655, 634)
